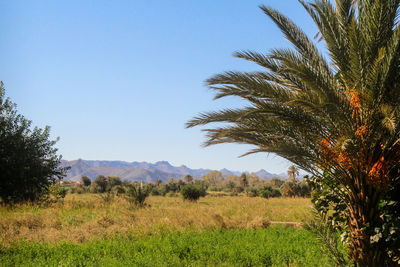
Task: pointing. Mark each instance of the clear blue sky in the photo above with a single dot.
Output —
(117, 80)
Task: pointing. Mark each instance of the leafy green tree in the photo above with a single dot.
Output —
(113, 181)
(86, 181)
(335, 116)
(29, 163)
(100, 183)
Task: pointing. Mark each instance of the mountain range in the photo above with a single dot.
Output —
(142, 171)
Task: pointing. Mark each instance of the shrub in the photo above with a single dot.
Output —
(86, 181)
(265, 192)
(214, 188)
(106, 197)
(275, 192)
(252, 192)
(192, 192)
(80, 190)
(94, 188)
(58, 192)
(118, 190)
(136, 194)
(112, 181)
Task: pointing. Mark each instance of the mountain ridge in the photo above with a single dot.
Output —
(143, 171)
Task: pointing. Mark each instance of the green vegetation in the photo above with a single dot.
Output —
(274, 246)
(192, 192)
(84, 217)
(136, 194)
(335, 116)
(29, 164)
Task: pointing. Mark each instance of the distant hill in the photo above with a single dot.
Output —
(141, 171)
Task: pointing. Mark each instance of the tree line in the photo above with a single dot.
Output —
(245, 184)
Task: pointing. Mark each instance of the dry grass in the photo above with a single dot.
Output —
(84, 217)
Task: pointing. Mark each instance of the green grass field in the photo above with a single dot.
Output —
(273, 246)
(215, 231)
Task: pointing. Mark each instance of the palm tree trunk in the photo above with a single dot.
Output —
(364, 215)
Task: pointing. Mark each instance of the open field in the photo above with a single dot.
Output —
(85, 230)
(273, 246)
(85, 217)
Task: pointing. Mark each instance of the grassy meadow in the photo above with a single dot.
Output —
(86, 229)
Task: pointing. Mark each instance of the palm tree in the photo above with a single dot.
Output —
(335, 117)
(292, 172)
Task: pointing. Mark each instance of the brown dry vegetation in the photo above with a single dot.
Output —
(85, 217)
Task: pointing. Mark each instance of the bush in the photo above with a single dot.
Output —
(136, 194)
(192, 192)
(86, 181)
(265, 192)
(95, 189)
(118, 190)
(252, 192)
(214, 188)
(29, 164)
(80, 190)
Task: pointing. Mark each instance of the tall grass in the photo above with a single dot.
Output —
(85, 217)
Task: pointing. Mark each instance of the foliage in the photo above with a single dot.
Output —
(293, 172)
(118, 190)
(335, 117)
(100, 183)
(243, 180)
(113, 181)
(273, 246)
(329, 236)
(137, 193)
(57, 191)
(192, 192)
(269, 191)
(86, 181)
(106, 197)
(29, 164)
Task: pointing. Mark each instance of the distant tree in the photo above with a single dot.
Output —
(230, 185)
(243, 180)
(291, 189)
(86, 181)
(304, 188)
(29, 164)
(113, 181)
(101, 183)
(188, 179)
(277, 182)
(158, 182)
(292, 172)
(213, 178)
